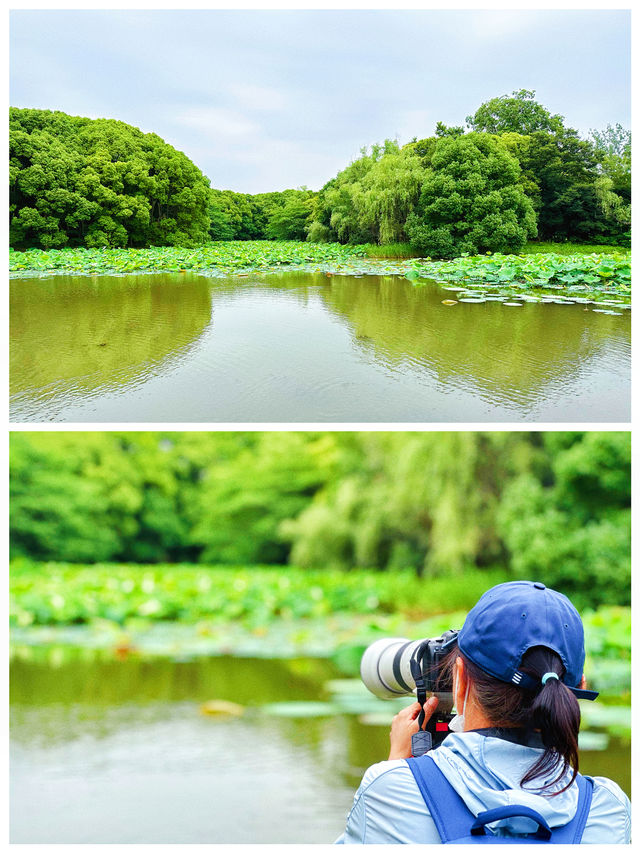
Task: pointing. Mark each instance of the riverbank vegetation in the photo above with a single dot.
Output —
(72, 594)
(513, 173)
(222, 257)
(553, 505)
(576, 274)
(183, 611)
(98, 182)
(596, 276)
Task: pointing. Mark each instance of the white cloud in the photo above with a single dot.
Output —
(215, 122)
(501, 24)
(254, 97)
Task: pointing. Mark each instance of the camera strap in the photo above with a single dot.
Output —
(421, 741)
(421, 689)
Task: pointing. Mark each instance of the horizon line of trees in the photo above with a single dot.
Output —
(550, 505)
(513, 173)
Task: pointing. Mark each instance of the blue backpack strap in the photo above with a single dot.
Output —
(571, 833)
(447, 808)
(454, 821)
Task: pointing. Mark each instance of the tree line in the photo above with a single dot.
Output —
(548, 505)
(513, 173)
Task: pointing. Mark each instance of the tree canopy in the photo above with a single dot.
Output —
(266, 216)
(99, 182)
(551, 505)
(517, 113)
(471, 200)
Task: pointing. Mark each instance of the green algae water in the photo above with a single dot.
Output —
(110, 747)
(309, 347)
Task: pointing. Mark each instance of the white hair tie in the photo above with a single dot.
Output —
(549, 675)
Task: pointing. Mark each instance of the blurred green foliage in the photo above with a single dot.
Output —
(254, 596)
(553, 506)
(574, 528)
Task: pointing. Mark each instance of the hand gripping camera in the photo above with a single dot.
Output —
(398, 667)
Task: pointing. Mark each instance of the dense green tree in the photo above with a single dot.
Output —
(471, 200)
(99, 182)
(235, 216)
(517, 113)
(570, 525)
(242, 502)
(565, 168)
(221, 224)
(265, 216)
(290, 221)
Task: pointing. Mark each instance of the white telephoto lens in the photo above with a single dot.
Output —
(385, 668)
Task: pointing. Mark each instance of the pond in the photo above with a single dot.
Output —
(308, 347)
(115, 748)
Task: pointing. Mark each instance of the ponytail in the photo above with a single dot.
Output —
(556, 714)
(551, 709)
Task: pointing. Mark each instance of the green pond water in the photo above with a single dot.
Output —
(307, 347)
(115, 748)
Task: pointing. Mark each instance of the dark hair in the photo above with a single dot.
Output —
(551, 709)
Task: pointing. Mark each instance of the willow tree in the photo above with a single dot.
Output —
(425, 500)
(390, 190)
(369, 201)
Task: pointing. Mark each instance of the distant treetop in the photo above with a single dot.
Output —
(518, 113)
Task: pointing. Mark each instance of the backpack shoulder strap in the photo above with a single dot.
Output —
(453, 819)
(571, 833)
(447, 808)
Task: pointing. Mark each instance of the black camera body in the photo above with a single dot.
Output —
(399, 667)
(430, 676)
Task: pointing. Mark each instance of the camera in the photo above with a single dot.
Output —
(395, 666)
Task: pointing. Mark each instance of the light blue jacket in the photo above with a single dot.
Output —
(388, 807)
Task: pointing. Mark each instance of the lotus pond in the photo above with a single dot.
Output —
(153, 698)
(110, 744)
(334, 339)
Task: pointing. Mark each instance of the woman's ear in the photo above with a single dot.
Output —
(583, 682)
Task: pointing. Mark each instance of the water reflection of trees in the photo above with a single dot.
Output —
(62, 694)
(102, 332)
(510, 353)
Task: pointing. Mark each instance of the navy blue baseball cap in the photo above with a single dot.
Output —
(511, 618)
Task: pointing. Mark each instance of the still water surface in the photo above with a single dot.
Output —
(118, 751)
(298, 347)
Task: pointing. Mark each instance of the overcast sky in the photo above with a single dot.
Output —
(265, 100)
